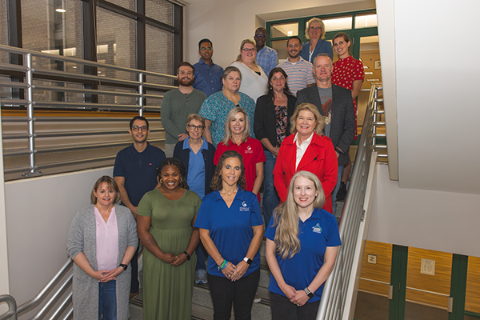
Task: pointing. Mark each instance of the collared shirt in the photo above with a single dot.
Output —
(299, 74)
(267, 59)
(301, 148)
(230, 228)
(196, 168)
(107, 240)
(315, 234)
(208, 79)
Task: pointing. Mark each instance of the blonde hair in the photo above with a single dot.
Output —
(239, 57)
(313, 109)
(194, 116)
(228, 131)
(320, 22)
(286, 217)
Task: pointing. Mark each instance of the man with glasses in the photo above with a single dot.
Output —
(177, 104)
(266, 56)
(135, 173)
(208, 75)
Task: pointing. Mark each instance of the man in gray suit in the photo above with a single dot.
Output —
(336, 105)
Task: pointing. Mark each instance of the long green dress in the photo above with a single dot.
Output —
(167, 290)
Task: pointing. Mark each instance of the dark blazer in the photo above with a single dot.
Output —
(266, 119)
(184, 156)
(342, 126)
(322, 46)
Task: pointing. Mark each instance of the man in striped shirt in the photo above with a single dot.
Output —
(299, 71)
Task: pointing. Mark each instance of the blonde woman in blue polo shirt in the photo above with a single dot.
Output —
(302, 245)
(231, 230)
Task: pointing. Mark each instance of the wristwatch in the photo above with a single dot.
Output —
(309, 293)
(248, 261)
(124, 266)
(186, 254)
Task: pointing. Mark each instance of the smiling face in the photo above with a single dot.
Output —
(248, 52)
(185, 76)
(278, 82)
(305, 124)
(206, 51)
(231, 170)
(322, 68)
(195, 129)
(294, 47)
(105, 195)
(304, 192)
(315, 30)
(232, 81)
(139, 131)
(341, 47)
(237, 125)
(170, 176)
(260, 38)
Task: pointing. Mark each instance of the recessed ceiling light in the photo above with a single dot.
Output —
(373, 79)
(369, 72)
(60, 10)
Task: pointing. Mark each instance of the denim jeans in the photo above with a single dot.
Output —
(107, 300)
(270, 197)
(335, 191)
(201, 257)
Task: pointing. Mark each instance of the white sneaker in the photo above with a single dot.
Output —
(201, 276)
(257, 298)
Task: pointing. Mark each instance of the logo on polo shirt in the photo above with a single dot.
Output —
(244, 207)
(317, 228)
(249, 149)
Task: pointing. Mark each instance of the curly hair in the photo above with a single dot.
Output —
(216, 183)
(177, 163)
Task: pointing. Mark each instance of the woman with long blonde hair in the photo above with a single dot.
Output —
(301, 248)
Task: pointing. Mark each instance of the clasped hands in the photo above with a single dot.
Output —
(235, 272)
(296, 297)
(107, 275)
(173, 259)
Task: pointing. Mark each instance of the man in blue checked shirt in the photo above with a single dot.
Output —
(208, 75)
(266, 56)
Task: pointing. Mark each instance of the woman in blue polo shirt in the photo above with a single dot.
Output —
(231, 229)
(302, 245)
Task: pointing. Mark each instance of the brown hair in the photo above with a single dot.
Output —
(216, 183)
(346, 38)
(111, 185)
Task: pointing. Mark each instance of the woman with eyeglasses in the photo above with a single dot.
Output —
(315, 32)
(197, 155)
(255, 80)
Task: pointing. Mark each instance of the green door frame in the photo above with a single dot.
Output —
(398, 283)
(458, 286)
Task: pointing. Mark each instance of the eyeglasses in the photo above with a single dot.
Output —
(251, 49)
(206, 48)
(260, 36)
(195, 128)
(137, 128)
(315, 28)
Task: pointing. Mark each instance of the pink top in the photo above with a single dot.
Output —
(107, 240)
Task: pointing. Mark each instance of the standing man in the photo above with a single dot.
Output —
(208, 75)
(336, 105)
(177, 104)
(135, 173)
(299, 70)
(266, 57)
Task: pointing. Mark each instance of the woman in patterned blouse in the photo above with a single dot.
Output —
(348, 73)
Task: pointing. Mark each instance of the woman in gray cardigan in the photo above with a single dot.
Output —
(101, 242)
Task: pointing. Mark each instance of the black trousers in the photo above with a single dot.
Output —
(134, 264)
(283, 309)
(239, 293)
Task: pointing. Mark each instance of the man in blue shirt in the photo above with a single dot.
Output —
(266, 56)
(135, 173)
(208, 75)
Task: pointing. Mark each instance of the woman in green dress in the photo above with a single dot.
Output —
(165, 222)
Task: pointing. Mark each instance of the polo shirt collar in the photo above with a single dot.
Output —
(135, 152)
(187, 146)
(239, 196)
(315, 215)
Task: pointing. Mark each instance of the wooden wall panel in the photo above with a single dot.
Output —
(379, 271)
(472, 299)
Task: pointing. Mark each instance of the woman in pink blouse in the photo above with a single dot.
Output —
(348, 73)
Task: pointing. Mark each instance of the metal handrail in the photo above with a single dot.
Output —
(12, 307)
(339, 284)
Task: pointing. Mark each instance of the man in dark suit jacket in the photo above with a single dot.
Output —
(336, 105)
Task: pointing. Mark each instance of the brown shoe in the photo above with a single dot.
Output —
(133, 295)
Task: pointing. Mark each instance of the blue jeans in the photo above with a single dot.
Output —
(107, 300)
(335, 191)
(270, 197)
(201, 257)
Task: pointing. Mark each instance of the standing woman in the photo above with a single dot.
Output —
(272, 125)
(309, 150)
(102, 241)
(236, 138)
(216, 107)
(231, 229)
(255, 81)
(348, 73)
(165, 220)
(301, 248)
(315, 32)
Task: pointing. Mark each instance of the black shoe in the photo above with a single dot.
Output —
(342, 192)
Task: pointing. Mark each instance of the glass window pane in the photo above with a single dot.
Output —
(341, 23)
(161, 10)
(366, 21)
(284, 30)
(160, 54)
(281, 47)
(128, 4)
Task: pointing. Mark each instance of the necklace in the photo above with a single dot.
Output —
(229, 193)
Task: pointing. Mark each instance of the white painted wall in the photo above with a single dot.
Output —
(39, 212)
(427, 219)
(227, 22)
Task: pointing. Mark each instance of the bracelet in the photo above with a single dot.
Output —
(217, 259)
(223, 265)
(337, 149)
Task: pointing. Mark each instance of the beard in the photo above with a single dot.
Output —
(185, 83)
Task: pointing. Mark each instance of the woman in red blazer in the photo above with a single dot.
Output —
(309, 150)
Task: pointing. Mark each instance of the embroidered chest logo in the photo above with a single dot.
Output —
(249, 149)
(317, 228)
(244, 207)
